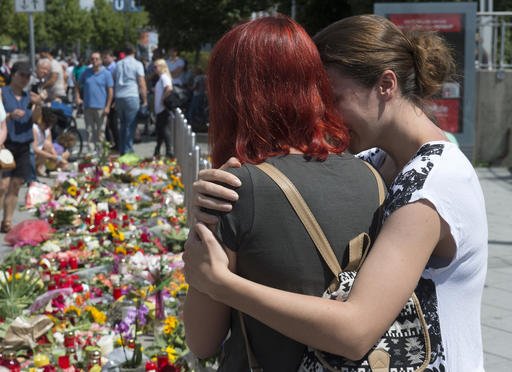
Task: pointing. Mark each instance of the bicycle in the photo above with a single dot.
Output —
(67, 129)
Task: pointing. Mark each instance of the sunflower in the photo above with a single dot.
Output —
(170, 324)
(72, 190)
(74, 309)
(172, 354)
(98, 316)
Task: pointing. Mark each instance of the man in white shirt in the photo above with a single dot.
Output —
(130, 89)
(55, 84)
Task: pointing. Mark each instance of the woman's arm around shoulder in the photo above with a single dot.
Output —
(206, 321)
(385, 282)
(209, 192)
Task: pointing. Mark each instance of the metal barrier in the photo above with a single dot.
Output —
(494, 40)
(188, 156)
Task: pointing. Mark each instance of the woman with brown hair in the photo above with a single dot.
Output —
(434, 236)
(270, 101)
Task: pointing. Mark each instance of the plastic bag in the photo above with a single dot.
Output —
(37, 193)
(25, 331)
(29, 232)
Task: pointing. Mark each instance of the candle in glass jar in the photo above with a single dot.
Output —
(73, 262)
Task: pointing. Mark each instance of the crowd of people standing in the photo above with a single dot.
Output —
(113, 92)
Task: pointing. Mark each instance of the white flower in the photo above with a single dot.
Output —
(106, 343)
(138, 261)
(50, 246)
(59, 338)
(3, 277)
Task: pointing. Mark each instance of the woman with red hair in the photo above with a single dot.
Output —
(270, 101)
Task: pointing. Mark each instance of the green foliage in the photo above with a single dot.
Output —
(188, 25)
(65, 26)
(197, 59)
(18, 291)
(109, 23)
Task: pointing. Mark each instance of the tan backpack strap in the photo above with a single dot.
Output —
(305, 215)
(253, 363)
(380, 182)
(357, 250)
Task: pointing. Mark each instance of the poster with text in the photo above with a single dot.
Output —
(448, 107)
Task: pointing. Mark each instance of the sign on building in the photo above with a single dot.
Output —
(454, 109)
(29, 6)
(129, 6)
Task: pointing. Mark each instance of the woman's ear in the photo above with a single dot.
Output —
(387, 85)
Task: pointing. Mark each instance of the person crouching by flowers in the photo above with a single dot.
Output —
(46, 155)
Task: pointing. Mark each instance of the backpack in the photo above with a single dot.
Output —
(406, 344)
(177, 98)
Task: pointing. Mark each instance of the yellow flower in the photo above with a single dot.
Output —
(74, 309)
(129, 206)
(98, 316)
(41, 360)
(178, 289)
(120, 250)
(52, 318)
(172, 354)
(170, 324)
(106, 170)
(17, 276)
(72, 190)
(144, 178)
(116, 234)
(143, 293)
(183, 287)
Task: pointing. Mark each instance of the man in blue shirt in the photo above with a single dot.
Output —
(97, 87)
(20, 116)
(112, 128)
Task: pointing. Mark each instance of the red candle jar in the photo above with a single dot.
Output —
(151, 366)
(11, 363)
(46, 276)
(57, 277)
(64, 361)
(118, 292)
(63, 263)
(162, 360)
(73, 262)
(67, 282)
(69, 339)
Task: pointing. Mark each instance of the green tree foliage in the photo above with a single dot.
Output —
(314, 15)
(111, 29)
(188, 25)
(63, 25)
(13, 26)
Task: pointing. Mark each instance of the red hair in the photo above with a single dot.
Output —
(268, 92)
